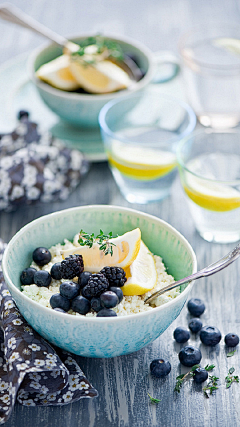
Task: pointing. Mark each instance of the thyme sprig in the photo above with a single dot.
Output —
(231, 378)
(153, 400)
(104, 47)
(211, 386)
(231, 353)
(181, 378)
(103, 240)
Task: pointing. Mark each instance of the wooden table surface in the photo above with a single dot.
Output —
(123, 382)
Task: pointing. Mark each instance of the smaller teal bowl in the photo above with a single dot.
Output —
(99, 337)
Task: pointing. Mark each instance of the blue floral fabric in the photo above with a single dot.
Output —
(31, 370)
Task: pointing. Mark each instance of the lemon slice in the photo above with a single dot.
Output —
(99, 77)
(144, 164)
(58, 74)
(125, 251)
(141, 274)
(213, 196)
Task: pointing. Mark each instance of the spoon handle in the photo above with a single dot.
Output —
(11, 13)
(207, 271)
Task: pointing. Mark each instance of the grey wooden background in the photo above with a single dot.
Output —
(123, 382)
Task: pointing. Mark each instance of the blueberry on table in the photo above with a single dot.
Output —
(58, 301)
(195, 325)
(106, 312)
(181, 334)
(200, 375)
(108, 299)
(210, 335)
(56, 271)
(190, 356)
(27, 276)
(196, 306)
(160, 368)
(118, 292)
(23, 114)
(42, 278)
(84, 278)
(69, 289)
(231, 340)
(96, 304)
(41, 256)
(81, 305)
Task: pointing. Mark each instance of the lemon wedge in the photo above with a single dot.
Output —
(125, 250)
(58, 74)
(141, 274)
(140, 163)
(100, 76)
(213, 196)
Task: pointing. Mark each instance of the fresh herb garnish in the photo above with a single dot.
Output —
(105, 47)
(153, 400)
(211, 386)
(180, 379)
(101, 239)
(209, 367)
(231, 353)
(231, 378)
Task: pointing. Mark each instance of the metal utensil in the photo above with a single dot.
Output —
(207, 271)
(11, 13)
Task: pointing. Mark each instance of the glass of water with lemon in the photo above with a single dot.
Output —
(140, 134)
(209, 165)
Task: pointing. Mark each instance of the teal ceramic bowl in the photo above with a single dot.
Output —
(99, 337)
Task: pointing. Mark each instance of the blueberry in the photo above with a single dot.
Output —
(210, 335)
(190, 356)
(195, 325)
(109, 299)
(69, 289)
(41, 256)
(42, 278)
(27, 275)
(200, 375)
(23, 113)
(196, 307)
(56, 271)
(106, 312)
(159, 368)
(96, 304)
(118, 292)
(84, 278)
(81, 305)
(231, 340)
(181, 334)
(59, 309)
(58, 301)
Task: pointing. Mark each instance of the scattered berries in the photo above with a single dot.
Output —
(116, 276)
(84, 278)
(231, 340)
(196, 307)
(96, 304)
(106, 312)
(117, 291)
(72, 266)
(41, 256)
(195, 325)
(42, 278)
(27, 275)
(58, 301)
(200, 375)
(210, 335)
(190, 356)
(160, 368)
(181, 334)
(96, 285)
(56, 271)
(69, 289)
(81, 305)
(108, 299)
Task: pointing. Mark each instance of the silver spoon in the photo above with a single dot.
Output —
(207, 271)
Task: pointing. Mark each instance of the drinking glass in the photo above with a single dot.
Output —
(209, 166)
(211, 71)
(140, 135)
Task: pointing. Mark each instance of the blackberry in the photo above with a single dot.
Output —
(72, 266)
(115, 275)
(97, 284)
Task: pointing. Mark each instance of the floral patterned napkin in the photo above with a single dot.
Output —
(35, 167)
(31, 370)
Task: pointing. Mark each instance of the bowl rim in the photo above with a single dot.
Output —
(104, 110)
(94, 319)
(81, 96)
